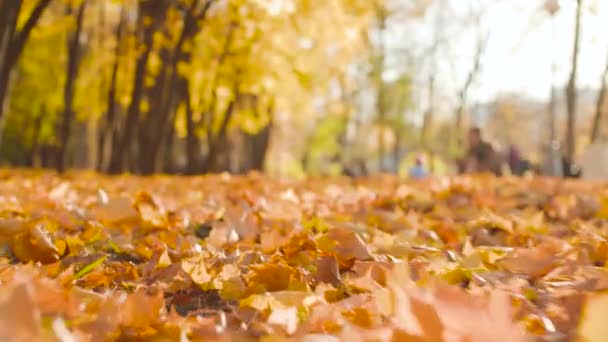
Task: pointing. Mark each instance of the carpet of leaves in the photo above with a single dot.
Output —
(87, 257)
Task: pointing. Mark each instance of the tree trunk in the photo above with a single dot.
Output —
(36, 151)
(168, 162)
(571, 95)
(121, 148)
(149, 133)
(160, 121)
(12, 43)
(109, 125)
(463, 95)
(9, 12)
(258, 148)
(263, 143)
(68, 91)
(217, 142)
(193, 149)
(599, 107)
(552, 110)
(380, 99)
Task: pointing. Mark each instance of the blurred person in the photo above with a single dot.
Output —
(517, 164)
(419, 170)
(481, 156)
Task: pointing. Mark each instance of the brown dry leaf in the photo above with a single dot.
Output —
(534, 262)
(475, 318)
(429, 320)
(141, 309)
(150, 210)
(117, 209)
(20, 318)
(327, 270)
(345, 244)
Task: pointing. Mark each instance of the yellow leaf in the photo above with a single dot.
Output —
(164, 260)
(195, 267)
(592, 326)
(360, 317)
(271, 277)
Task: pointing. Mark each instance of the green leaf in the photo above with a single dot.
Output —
(90, 267)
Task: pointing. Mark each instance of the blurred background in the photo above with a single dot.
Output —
(296, 87)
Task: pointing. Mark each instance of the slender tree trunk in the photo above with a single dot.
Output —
(121, 147)
(380, 98)
(193, 149)
(168, 162)
(36, 155)
(73, 64)
(552, 95)
(4, 84)
(463, 95)
(47, 156)
(159, 123)
(571, 95)
(9, 12)
(260, 144)
(256, 146)
(217, 141)
(12, 43)
(149, 133)
(120, 150)
(599, 107)
(109, 124)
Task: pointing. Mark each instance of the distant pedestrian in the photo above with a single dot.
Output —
(481, 156)
(518, 165)
(419, 170)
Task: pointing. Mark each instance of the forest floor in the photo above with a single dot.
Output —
(92, 257)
